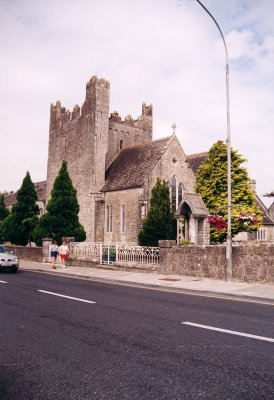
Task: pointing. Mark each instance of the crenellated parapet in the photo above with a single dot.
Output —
(147, 110)
(93, 84)
(95, 88)
(129, 120)
(115, 117)
(95, 81)
(76, 113)
(144, 121)
(60, 116)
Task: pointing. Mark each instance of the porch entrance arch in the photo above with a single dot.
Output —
(192, 222)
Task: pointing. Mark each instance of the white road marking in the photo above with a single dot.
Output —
(212, 328)
(3, 282)
(67, 297)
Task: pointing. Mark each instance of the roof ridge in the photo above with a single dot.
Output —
(145, 144)
(144, 156)
(198, 154)
(169, 139)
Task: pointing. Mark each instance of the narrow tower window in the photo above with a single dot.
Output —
(109, 218)
(123, 218)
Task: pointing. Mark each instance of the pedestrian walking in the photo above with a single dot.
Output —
(53, 253)
(63, 253)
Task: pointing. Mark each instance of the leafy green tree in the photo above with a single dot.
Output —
(61, 218)
(160, 223)
(4, 212)
(211, 184)
(18, 226)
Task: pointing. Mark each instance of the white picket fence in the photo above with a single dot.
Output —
(109, 253)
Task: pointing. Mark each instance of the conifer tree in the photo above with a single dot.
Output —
(61, 218)
(18, 226)
(160, 223)
(211, 184)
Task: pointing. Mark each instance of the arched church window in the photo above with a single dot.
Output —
(173, 194)
(143, 206)
(180, 192)
(169, 187)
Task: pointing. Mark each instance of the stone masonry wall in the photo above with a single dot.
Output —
(173, 162)
(130, 198)
(27, 253)
(81, 138)
(251, 263)
(128, 132)
(88, 139)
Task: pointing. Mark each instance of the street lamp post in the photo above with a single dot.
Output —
(229, 236)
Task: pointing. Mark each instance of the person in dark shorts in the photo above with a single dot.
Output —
(54, 253)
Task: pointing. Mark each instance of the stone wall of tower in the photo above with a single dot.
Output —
(81, 138)
(128, 132)
(130, 198)
(89, 139)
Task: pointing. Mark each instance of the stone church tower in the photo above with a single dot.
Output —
(89, 140)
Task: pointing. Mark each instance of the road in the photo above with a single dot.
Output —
(64, 338)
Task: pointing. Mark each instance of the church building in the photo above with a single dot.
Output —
(114, 164)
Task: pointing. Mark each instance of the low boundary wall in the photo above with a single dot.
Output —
(251, 262)
(27, 252)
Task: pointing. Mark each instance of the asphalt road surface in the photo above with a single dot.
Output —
(65, 338)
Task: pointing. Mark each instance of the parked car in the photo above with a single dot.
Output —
(8, 261)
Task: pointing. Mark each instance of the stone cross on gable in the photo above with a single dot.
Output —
(173, 127)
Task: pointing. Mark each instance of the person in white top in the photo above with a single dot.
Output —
(63, 253)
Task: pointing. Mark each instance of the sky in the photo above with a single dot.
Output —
(168, 53)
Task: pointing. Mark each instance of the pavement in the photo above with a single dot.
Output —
(258, 292)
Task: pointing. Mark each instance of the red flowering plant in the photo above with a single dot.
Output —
(217, 222)
(217, 228)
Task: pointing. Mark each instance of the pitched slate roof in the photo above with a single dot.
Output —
(133, 164)
(195, 203)
(195, 160)
(267, 218)
(40, 187)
